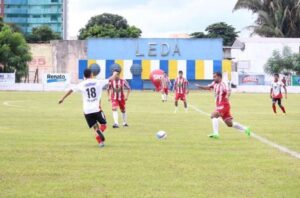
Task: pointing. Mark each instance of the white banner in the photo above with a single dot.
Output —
(8, 78)
(56, 81)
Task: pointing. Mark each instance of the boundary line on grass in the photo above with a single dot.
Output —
(8, 103)
(279, 147)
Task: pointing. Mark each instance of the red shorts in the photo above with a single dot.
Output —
(165, 91)
(118, 103)
(180, 96)
(224, 111)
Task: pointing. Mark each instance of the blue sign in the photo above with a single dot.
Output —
(155, 49)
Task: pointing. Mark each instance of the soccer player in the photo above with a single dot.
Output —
(181, 90)
(118, 99)
(165, 83)
(276, 95)
(91, 90)
(222, 94)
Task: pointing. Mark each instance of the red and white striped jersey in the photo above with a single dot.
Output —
(165, 82)
(221, 92)
(181, 85)
(117, 87)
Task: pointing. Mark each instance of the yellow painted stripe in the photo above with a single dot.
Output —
(173, 68)
(226, 67)
(200, 73)
(146, 69)
(90, 62)
(121, 63)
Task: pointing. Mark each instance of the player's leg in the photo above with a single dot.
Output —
(176, 103)
(91, 120)
(281, 106)
(185, 103)
(124, 114)
(230, 123)
(274, 101)
(215, 124)
(115, 105)
(101, 119)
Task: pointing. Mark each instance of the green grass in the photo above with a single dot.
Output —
(46, 150)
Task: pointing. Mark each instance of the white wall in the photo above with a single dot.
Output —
(258, 50)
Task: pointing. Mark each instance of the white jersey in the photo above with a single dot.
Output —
(91, 90)
(276, 89)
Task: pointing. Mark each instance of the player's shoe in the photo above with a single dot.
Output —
(99, 132)
(213, 136)
(248, 131)
(115, 126)
(101, 144)
(125, 125)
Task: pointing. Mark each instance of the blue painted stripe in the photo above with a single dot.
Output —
(191, 69)
(217, 66)
(82, 66)
(164, 65)
(107, 68)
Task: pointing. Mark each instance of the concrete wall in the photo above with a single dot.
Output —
(57, 57)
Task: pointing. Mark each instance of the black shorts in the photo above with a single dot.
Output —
(278, 100)
(94, 118)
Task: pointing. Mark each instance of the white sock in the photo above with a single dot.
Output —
(176, 109)
(186, 110)
(124, 115)
(162, 97)
(238, 126)
(116, 117)
(215, 124)
(166, 97)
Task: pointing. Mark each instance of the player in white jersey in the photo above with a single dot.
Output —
(91, 90)
(276, 94)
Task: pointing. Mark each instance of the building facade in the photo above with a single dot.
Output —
(28, 14)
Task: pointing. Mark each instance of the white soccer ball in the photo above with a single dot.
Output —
(161, 135)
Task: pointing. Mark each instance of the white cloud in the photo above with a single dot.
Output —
(159, 18)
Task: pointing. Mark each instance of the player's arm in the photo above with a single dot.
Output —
(128, 90)
(285, 91)
(65, 96)
(202, 87)
(271, 92)
(108, 91)
(187, 87)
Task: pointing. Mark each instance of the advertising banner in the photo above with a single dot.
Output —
(296, 80)
(8, 78)
(251, 79)
(56, 80)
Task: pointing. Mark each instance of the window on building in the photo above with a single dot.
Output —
(36, 16)
(54, 1)
(54, 18)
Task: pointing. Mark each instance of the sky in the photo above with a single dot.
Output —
(161, 18)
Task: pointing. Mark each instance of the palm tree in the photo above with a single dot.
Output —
(275, 18)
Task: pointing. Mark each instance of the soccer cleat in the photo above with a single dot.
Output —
(213, 136)
(125, 125)
(115, 126)
(101, 144)
(248, 131)
(101, 135)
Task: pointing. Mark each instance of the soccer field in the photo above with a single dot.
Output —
(46, 150)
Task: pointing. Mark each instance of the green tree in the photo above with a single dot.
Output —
(219, 30)
(283, 62)
(108, 26)
(275, 18)
(14, 52)
(198, 35)
(42, 34)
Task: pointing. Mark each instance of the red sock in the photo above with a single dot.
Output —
(274, 108)
(282, 108)
(98, 139)
(103, 127)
